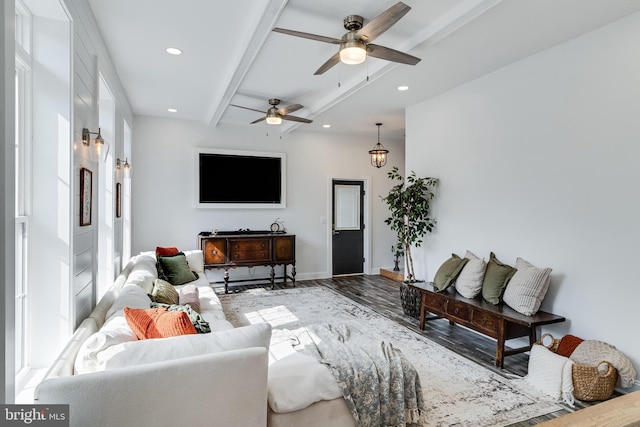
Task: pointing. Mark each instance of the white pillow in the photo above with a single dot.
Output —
(527, 288)
(195, 259)
(132, 296)
(157, 350)
(469, 281)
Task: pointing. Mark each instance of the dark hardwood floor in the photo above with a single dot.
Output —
(382, 295)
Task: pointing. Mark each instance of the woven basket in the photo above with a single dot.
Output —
(589, 382)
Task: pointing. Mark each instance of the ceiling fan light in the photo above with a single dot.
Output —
(353, 53)
(273, 119)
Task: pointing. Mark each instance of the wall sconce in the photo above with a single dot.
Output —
(379, 153)
(124, 165)
(101, 148)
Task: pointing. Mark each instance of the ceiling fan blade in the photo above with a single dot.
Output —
(330, 63)
(382, 52)
(289, 109)
(296, 119)
(308, 35)
(247, 108)
(258, 121)
(383, 22)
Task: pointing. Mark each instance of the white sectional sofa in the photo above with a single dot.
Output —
(108, 377)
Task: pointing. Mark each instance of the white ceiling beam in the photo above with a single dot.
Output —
(270, 16)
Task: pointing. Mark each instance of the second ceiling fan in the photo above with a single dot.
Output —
(275, 115)
(356, 44)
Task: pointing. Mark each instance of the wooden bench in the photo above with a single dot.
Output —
(496, 321)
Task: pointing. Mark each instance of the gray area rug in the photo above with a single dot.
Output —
(457, 391)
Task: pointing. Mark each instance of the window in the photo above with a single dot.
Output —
(22, 184)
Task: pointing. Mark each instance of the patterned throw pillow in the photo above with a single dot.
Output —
(158, 322)
(527, 288)
(496, 279)
(164, 292)
(448, 272)
(469, 282)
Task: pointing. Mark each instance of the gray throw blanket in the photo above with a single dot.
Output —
(381, 387)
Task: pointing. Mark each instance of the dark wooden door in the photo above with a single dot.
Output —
(348, 227)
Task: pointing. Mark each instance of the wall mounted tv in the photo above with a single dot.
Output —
(240, 179)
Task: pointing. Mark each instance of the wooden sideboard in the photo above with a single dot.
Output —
(227, 250)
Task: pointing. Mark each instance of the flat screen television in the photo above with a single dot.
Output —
(240, 179)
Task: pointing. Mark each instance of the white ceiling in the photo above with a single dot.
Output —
(231, 56)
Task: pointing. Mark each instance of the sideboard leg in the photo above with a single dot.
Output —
(226, 281)
(293, 274)
(273, 277)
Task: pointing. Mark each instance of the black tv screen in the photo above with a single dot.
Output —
(226, 178)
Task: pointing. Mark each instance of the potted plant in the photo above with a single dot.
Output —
(409, 203)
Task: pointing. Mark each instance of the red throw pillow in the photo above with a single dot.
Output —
(158, 322)
(567, 344)
(170, 251)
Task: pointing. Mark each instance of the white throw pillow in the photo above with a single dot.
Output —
(527, 288)
(195, 259)
(469, 281)
(157, 350)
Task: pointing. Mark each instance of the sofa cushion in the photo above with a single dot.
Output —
(448, 272)
(527, 288)
(143, 270)
(469, 281)
(132, 296)
(158, 322)
(175, 269)
(496, 279)
(164, 292)
(148, 351)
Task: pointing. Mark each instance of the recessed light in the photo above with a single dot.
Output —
(173, 51)
(326, 126)
(403, 88)
(172, 110)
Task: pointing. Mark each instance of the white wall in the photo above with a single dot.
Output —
(163, 187)
(539, 160)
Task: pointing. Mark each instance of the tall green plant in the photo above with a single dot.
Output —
(410, 203)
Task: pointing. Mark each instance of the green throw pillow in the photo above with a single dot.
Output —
(448, 272)
(164, 292)
(175, 269)
(495, 280)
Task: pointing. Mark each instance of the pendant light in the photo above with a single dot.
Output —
(379, 153)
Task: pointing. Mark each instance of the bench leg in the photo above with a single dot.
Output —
(423, 309)
(500, 344)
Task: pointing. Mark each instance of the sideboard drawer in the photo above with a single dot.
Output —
(284, 248)
(254, 250)
(214, 251)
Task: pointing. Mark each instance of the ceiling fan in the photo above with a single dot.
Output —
(356, 44)
(275, 115)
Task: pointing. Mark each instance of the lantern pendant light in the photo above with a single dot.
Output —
(379, 153)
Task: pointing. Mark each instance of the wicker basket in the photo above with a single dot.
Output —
(589, 382)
